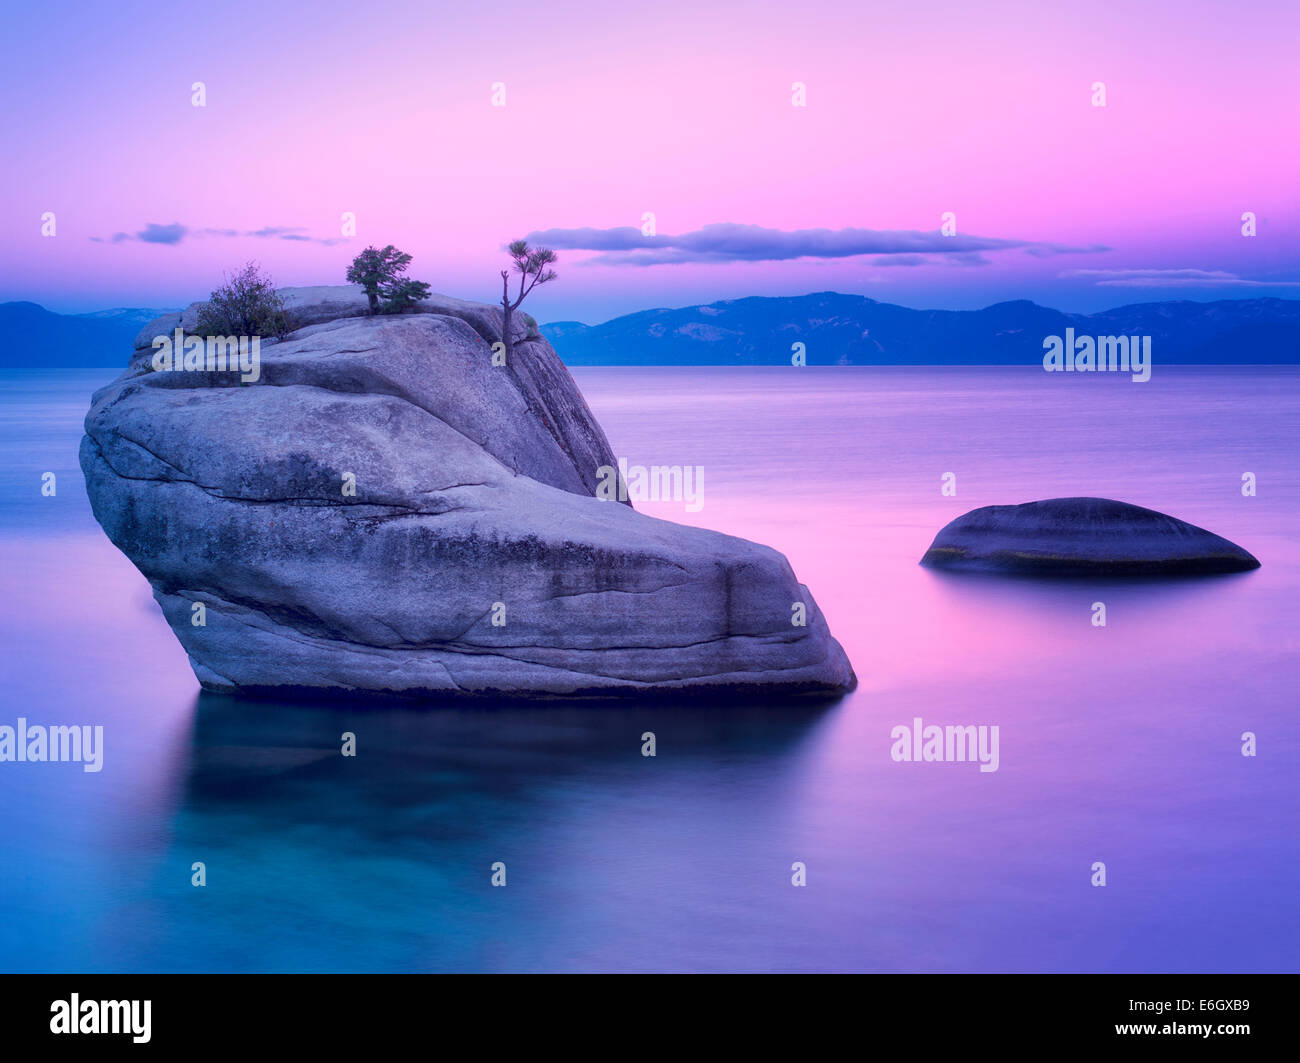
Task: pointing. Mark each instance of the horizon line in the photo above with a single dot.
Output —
(717, 302)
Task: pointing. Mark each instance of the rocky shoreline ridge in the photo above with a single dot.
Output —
(383, 510)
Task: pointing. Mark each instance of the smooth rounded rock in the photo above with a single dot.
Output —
(1082, 536)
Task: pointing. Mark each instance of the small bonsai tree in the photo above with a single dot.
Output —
(246, 305)
(380, 275)
(534, 267)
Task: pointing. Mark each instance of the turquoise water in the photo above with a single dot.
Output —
(1119, 745)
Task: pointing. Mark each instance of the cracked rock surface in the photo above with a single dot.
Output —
(474, 503)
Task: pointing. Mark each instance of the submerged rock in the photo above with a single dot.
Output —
(469, 556)
(1083, 536)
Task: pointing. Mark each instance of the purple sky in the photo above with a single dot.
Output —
(682, 109)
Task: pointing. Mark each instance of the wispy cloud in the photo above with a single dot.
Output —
(173, 234)
(1172, 278)
(731, 242)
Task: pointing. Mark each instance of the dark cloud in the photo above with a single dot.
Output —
(900, 260)
(731, 242)
(162, 234)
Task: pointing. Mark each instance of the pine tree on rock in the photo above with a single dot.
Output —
(379, 273)
(533, 266)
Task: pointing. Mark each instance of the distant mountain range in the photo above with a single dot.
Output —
(31, 336)
(854, 330)
(835, 330)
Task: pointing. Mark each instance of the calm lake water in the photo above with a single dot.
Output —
(1118, 744)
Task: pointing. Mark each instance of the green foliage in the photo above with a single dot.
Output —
(246, 305)
(379, 273)
(404, 295)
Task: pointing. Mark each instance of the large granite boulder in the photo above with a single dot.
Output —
(473, 557)
(1081, 536)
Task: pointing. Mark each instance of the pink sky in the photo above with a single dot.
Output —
(677, 108)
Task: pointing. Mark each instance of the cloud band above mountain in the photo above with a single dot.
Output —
(1173, 278)
(732, 242)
